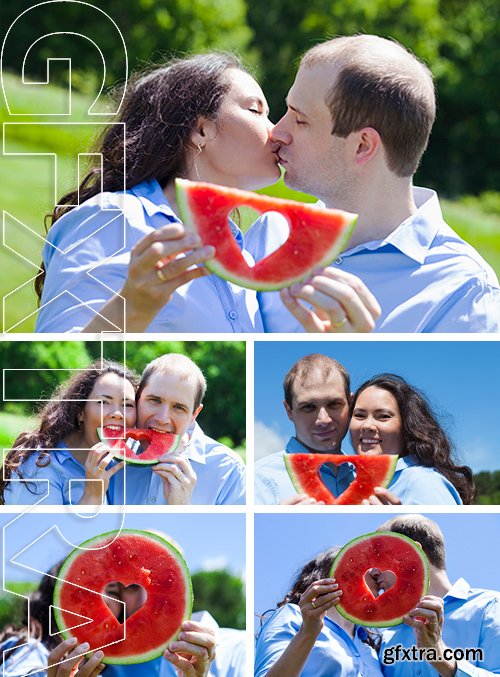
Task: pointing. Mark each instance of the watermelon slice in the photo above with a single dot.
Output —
(317, 234)
(159, 444)
(387, 551)
(129, 557)
(371, 472)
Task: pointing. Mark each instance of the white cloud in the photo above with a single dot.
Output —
(215, 563)
(267, 440)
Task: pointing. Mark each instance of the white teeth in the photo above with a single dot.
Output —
(114, 427)
(369, 441)
(156, 430)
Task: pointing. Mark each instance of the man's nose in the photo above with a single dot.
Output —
(280, 133)
(323, 416)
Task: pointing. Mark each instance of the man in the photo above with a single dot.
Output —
(457, 615)
(317, 394)
(359, 117)
(206, 472)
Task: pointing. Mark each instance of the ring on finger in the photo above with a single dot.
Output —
(340, 323)
(313, 604)
(160, 275)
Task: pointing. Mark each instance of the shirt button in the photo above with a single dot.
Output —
(232, 314)
(153, 499)
(338, 260)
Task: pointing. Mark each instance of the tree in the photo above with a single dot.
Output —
(222, 594)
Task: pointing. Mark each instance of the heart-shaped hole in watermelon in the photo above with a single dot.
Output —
(139, 446)
(378, 581)
(371, 472)
(129, 599)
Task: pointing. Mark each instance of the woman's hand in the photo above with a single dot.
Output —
(156, 270)
(341, 303)
(315, 602)
(96, 469)
(178, 477)
(75, 664)
(382, 496)
(193, 651)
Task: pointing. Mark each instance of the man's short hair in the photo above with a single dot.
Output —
(423, 530)
(309, 363)
(181, 366)
(379, 84)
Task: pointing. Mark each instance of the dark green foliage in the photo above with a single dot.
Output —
(488, 487)
(223, 595)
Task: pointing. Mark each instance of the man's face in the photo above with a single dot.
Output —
(319, 411)
(166, 403)
(315, 161)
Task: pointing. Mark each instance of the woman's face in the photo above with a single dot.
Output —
(114, 406)
(376, 426)
(238, 151)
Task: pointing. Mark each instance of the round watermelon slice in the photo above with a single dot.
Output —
(119, 443)
(387, 551)
(130, 557)
(371, 472)
(316, 236)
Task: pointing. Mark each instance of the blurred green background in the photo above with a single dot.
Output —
(47, 364)
(459, 40)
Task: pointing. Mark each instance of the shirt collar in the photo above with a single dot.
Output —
(459, 590)
(406, 462)
(293, 446)
(153, 200)
(195, 448)
(415, 235)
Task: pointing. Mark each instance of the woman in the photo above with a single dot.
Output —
(201, 118)
(307, 637)
(65, 445)
(389, 416)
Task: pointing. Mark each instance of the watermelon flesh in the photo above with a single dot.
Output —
(387, 551)
(371, 472)
(316, 236)
(130, 557)
(118, 441)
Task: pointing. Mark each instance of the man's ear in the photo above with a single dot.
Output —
(204, 132)
(288, 410)
(368, 145)
(196, 412)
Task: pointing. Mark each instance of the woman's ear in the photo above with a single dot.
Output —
(204, 132)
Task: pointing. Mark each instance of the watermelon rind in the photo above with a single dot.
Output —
(295, 478)
(377, 534)
(93, 544)
(133, 461)
(215, 266)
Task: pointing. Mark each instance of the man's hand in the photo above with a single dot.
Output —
(427, 620)
(178, 476)
(341, 303)
(301, 499)
(193, 651)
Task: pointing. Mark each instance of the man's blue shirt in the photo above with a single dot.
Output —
(425, 277)
(273, 483)
(220, 478)
(471, 619)
(335, 653)
(87, 253)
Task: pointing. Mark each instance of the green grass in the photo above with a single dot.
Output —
(27, 190)
(10, 427)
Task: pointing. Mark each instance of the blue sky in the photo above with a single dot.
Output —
(207, 541)
(285, 542)
(460, 378)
